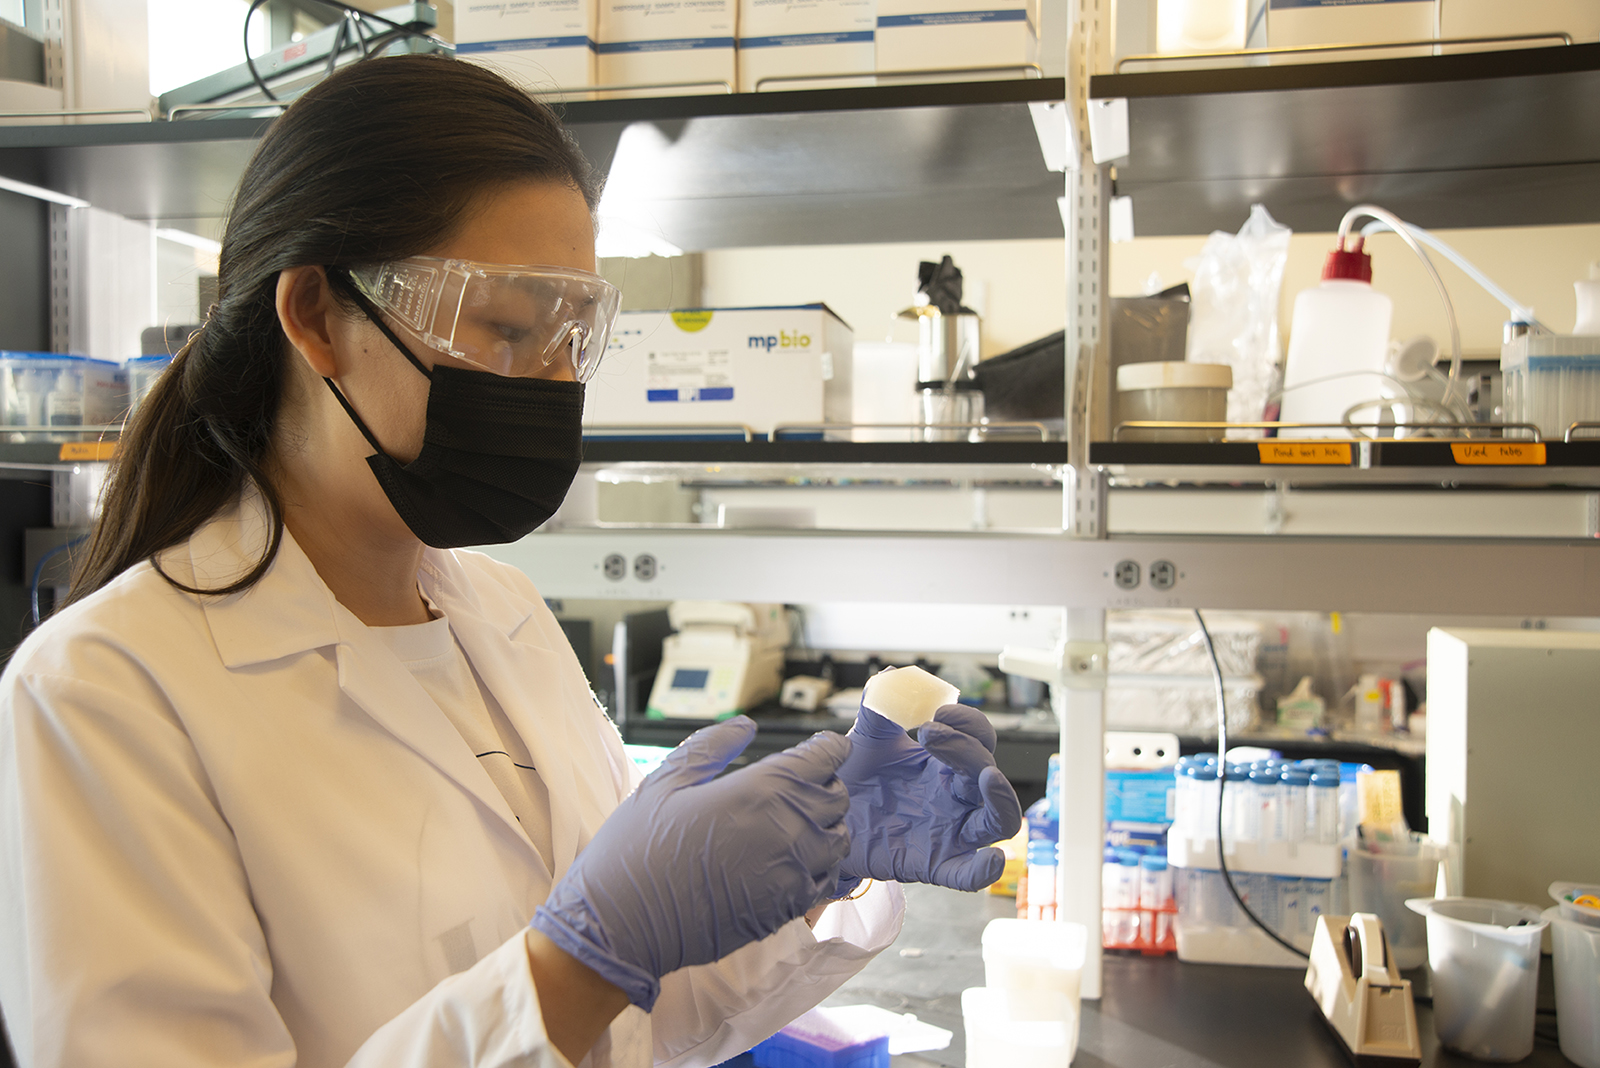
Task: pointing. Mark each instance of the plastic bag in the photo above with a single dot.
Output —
(1233, 314)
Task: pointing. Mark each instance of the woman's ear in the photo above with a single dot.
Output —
(307, 311)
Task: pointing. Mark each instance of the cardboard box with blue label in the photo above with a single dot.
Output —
(688, 44)
(724, 367)
(787, 44)
(538, 44)
(987, 36)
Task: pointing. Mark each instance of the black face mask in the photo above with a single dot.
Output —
(498, 454)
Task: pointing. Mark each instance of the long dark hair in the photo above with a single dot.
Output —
(380, 161)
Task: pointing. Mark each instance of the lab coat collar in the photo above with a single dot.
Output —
(291, 610)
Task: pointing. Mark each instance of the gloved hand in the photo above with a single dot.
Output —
(691, 867)
(921, 813)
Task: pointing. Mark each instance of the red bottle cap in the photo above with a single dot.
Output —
(1353, 265)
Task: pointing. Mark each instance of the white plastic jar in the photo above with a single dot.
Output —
(1173, 391)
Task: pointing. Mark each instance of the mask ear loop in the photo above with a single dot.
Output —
(339, 275)
(354, 293)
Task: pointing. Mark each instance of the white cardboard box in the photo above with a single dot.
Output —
(779, 39)
(955, 34)
(1329, 22)
(759, 367)
(655, 42)
(1498, 18)
(537, 44)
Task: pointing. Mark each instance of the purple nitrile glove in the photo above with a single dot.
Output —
(924, 813)
(691, 867)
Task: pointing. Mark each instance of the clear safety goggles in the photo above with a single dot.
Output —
(520, 322)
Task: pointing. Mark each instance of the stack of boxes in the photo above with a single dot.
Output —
(678, 47)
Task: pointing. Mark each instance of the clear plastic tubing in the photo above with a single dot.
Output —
(1322, 814)
(1155, 882)
(1295, 785)
(1269, 803)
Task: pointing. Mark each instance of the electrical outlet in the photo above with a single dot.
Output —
(1163, 575)
(614, 567)
(1126, 574)
(644, 567)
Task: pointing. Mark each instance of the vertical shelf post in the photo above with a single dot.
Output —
(1081, 709)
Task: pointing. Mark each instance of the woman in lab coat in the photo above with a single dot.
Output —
(288, 779)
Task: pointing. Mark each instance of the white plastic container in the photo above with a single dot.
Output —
(1588, 296)
(1381, 883)
(1005, 1031)
(1338, 340)
(1485, 960)
(1552, 381)
(1573, 902)
(1034, 955)
(1173, 391)
(1577, 965)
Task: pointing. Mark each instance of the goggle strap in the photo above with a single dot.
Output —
(354, 418)
(372, 314)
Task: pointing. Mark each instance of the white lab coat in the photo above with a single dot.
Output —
(236, 831)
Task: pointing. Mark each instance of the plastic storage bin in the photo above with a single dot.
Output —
(1170, 391)
(44, 390)
(1210, 927)
(1577, 965)
(1485, 960)
(142, 374)
(1381, 883)
(1551, 381)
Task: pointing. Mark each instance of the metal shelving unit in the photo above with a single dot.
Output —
(849, 166)
(1500, 138)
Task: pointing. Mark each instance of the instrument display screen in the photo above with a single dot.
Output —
(690, 678)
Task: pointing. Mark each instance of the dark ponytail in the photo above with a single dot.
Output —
(380, 161)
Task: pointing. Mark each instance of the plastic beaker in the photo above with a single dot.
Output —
(1485, 960)
(1381, 883)
(1577, 965)
(1575, 902)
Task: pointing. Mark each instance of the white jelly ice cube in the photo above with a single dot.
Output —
(909, 696)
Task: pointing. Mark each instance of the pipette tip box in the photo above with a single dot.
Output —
(817, 1040)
